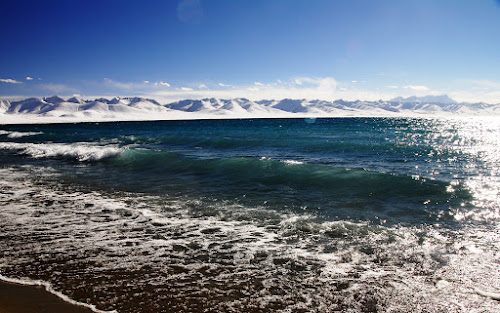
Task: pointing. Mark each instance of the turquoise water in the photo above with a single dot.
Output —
(346, 214)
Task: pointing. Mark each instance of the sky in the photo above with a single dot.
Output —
(258, 49)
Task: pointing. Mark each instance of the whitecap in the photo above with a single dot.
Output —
(292, 162)
(79, 151)
(14, 134)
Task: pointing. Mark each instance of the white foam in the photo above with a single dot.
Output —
(292, 162)
(78, 151)
(151, 228)
(492, 295)
(14, 134)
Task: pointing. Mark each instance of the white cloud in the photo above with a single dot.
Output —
(58, 88)
(126, 86)
(9, 81)
(484, 84)
(478, 90)
(354, 81)
(322, 83)
(161, 83)
(324, 88)
(416, 87)
(29, 78)
(475, 96)
(311, 88)
(115, 84)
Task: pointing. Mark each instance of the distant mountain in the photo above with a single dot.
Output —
(442, 99)
(77, 108)
(30, 106)
(290, 105)
(4, 105)
(75, 100)
(137, 108)
(54, 100)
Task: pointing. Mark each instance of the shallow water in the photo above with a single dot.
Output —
(350, 214)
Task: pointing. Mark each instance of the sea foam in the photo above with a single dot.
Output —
(48, 287)
(78, 151)
(15, 134)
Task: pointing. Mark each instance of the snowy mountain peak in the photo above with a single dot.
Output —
(441, 99)
(4, 105)
(75, 100)
(290, 105)
(54, 100)
(137, 108)
(139, 99)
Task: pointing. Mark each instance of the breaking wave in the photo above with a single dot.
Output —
(293, 173)
(77, 151)
(139, 253)
(16, 134)
(330, 192)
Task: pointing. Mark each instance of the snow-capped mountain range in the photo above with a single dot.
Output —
(57, 109)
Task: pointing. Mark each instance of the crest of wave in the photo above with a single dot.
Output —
(79, 151)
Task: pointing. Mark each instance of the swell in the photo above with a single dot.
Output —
(330, 192)
(16, 134)
(324, 139)
(268, 171)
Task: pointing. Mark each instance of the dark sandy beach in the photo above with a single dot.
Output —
(16, 298)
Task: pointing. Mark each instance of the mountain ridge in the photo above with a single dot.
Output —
(440, 99)
(139, 108)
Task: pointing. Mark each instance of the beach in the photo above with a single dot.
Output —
(15, 298)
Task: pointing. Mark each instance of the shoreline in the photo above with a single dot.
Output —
(41, 120)
(17, 296)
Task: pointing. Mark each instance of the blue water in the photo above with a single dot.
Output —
(227, 201)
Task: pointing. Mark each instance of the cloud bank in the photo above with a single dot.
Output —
(309, 88)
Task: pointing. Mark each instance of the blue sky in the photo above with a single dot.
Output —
(351, 49)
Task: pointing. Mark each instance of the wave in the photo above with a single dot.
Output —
(354, 193)
(325, 149)
(77, 151)
(16, 134)
(293, 173)
(48, 287)
(157, 245)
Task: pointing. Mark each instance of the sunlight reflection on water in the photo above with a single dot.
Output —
(467, 151)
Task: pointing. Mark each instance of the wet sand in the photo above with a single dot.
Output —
(16, 298)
